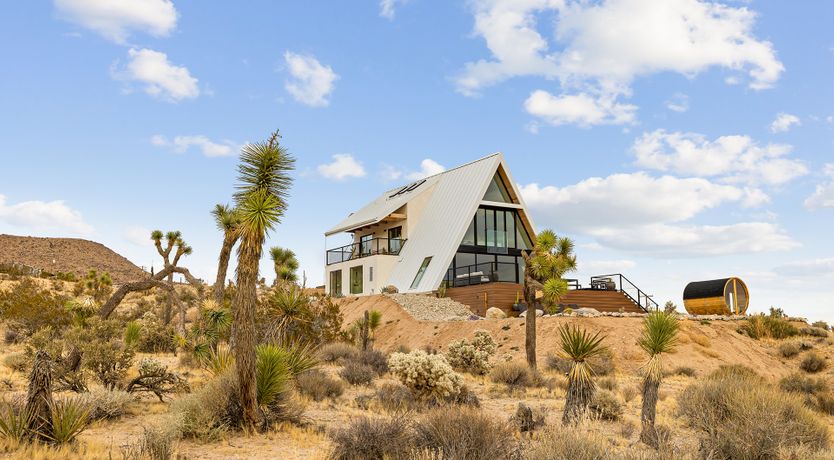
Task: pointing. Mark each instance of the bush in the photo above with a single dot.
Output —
(605, 406)
(104, 352)
(375, 359)
(17, 362)
(472, 357)
(157, 379)
(575, 444)
(814, 331)
(357, 373)
(154, 337)
(27, 308)
(395, 397)
(373, 438)
(608, 383)
(204, 415)
(812, 363)
(465, 397)
(70, 417)
(428, 376)
(789, 349)
(685, 371)
(336, 352)
(821, 324)
(739, 415)
(825, 403)
(600, 365)
(774, 326)
(515, 374)
(106, 404)
(465, 433)
(798, 383)
(318, 385)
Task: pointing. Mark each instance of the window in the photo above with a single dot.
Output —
(370, 274)
(420, 272)
(497, 191)
(365, 243)
(490, 227)
(336, 283)
(395, 239)
(356, 280)
(480, 227)
(469, 236)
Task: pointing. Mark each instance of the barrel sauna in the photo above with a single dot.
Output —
(725, 296)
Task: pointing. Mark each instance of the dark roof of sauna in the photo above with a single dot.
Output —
(702, 289)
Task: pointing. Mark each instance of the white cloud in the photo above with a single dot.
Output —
(599, 48)
(784, 122)
(311, 82)
(387, 8)
(580, 109)
(139, 236)
(428, 167)
(814, 267)
(53, 217)
(679, 102)
(342, 167)
(209, 148)
(733, 159)
(823, 196)
(158, 76)
(115, 19)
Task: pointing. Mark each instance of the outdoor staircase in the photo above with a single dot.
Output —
(600, 300)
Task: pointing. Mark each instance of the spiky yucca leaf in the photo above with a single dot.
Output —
(69, 418)
(273, 373)
(660, 335)
(217, 362)
(156, 235)
(554, 289)
(374, 319)
(579, 346)
(132, 332)
(13, 425)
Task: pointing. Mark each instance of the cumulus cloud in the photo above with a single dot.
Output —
(387, 8)
(679, 102)
(733, 159)
(182, 144)
(580, 109)
(311, 82)
(53, 217)
(115, 20)
(139, 236)
(589, 55)
(814, 267)
(342, 167)
(428, 167)
(823, 196)
(784, 122)
(157, 75)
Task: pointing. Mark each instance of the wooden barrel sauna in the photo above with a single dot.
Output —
(725, 296)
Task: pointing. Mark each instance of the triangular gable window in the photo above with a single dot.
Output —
(497, 191)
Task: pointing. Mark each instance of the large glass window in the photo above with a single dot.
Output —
(480, 226)
(505, 269)
(356, 280)
(365, 243)
(336, 283)
(522, 238)
(490, 227)
(510, 230)
(420, 272)
(395, 239)
(497, 191)
(469, 236)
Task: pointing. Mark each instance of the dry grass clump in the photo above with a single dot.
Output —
(106, 404)
(204, 414)
(373, 438)
(601, 365)
(788, 349)
(685, 371)
(465, 433)
(514, 374)
(17, 362)
(798, 383)
(396, 397)
(156, 443)
(629, 392)
(773, 326)
(739, 415)
(337, 351)
(573, 444)
(318, 385)
(813, 363)
(605, 406)
(814, 331)
(373, 358)
(608, 383)
(356, 373)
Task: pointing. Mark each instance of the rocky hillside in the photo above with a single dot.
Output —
(67, 255)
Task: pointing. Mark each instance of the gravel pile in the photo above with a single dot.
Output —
(431, 308)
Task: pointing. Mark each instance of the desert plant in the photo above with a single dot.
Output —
(527, 419)
(285, 264)
(601, 364)
(514, 374)
(465, 433)
(568, 445)
(376, 359)
(27, 308)
(373, 438)
(228, 221)
(99, 287)
(70, 417)
(578, 345)
(544, 267)
(798, 383)
(606, 406)
(14, 424)
(814, 332)
(17, 362)
(608, 383)
(105, 354)
(357, 373)
(821, 324)
(218, 361)
(318, 385)
(157, 379)
(812, 363)
(775, 326)
(472, 357)
(105, 404)
(396, 397)
(132, 333)
(659, 336)
(290, 312)
(204, 415)
(337, 351)
(789, 349)
(428, 376)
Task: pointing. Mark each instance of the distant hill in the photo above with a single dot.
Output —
(67, 255)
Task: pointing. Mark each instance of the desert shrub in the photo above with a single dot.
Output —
(465, 433)
(318, 385)
(70, 418)
(374, 359)
(103, 349)
(357, 373)
(464, 397)
(18, 362)
(155, 378)
(608, 383)
(156, 443)
(11, 336)
(204, 415)
(605, 405)
(575, 444)
(428, 376)
(685, 371)
(373, 438)
(337, 351)
(527, 419)
(798, 383)
(812, 363)
(814, 331)
(739, 415)
(600, 365)
(821, 324)
(627, 429)
(154, 337)
(472, 357)
(106, 404)
(515, 374)
(805, 345)
(629, 392)
(27, 308)
(775, 326)
(298, 316)
(789, 349)
(824, 402)
(396, 397)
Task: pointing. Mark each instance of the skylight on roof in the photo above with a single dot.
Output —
(407, 188)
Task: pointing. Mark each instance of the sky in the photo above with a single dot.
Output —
(673, 141)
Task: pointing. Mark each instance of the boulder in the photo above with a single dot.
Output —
(495, 313)
(586, 311)
(524, 313)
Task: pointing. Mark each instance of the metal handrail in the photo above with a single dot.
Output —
(372, 247)
(642, 299)
(467, 275)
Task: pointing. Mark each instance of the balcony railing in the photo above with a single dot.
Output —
(371, 247)
(487, 272)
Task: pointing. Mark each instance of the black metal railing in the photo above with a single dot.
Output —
(618, 282)
(487, 272)
(370, 247)
(573, 284)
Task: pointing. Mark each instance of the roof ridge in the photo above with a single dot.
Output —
(451, 169)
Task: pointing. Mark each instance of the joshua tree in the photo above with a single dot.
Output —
(172, 239)
(286, 265)
(261, 199)
(39, 397)
(227, 221)
(544, 267)
(660, 335)
(98, 286)
(578, 345)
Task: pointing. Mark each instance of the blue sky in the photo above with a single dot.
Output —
(674, 141)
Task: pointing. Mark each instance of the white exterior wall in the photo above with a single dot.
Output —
(382, 266)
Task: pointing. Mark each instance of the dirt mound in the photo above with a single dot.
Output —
(703, 346)
(66, 255)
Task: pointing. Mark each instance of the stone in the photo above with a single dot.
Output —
(586, 311)
(495, 313)
(524, 314)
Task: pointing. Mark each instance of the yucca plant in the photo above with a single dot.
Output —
(228, 221)
(14, 426)
(132, 332)
(217, 361)
(69, 418)
(273, 373)
(286, 265)
(660, 335)
(579, 345)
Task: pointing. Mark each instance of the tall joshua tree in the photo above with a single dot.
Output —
(544, 266)
(261, 199)
(285, 263)
(660, 335)
(228, 221)
(578, 345)
(172, 240)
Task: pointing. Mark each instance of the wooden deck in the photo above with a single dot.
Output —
(480, 297)
(604, 301)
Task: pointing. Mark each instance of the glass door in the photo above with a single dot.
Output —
(356, 280)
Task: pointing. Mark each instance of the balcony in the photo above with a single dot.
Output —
(487, 272)
(367, 248)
